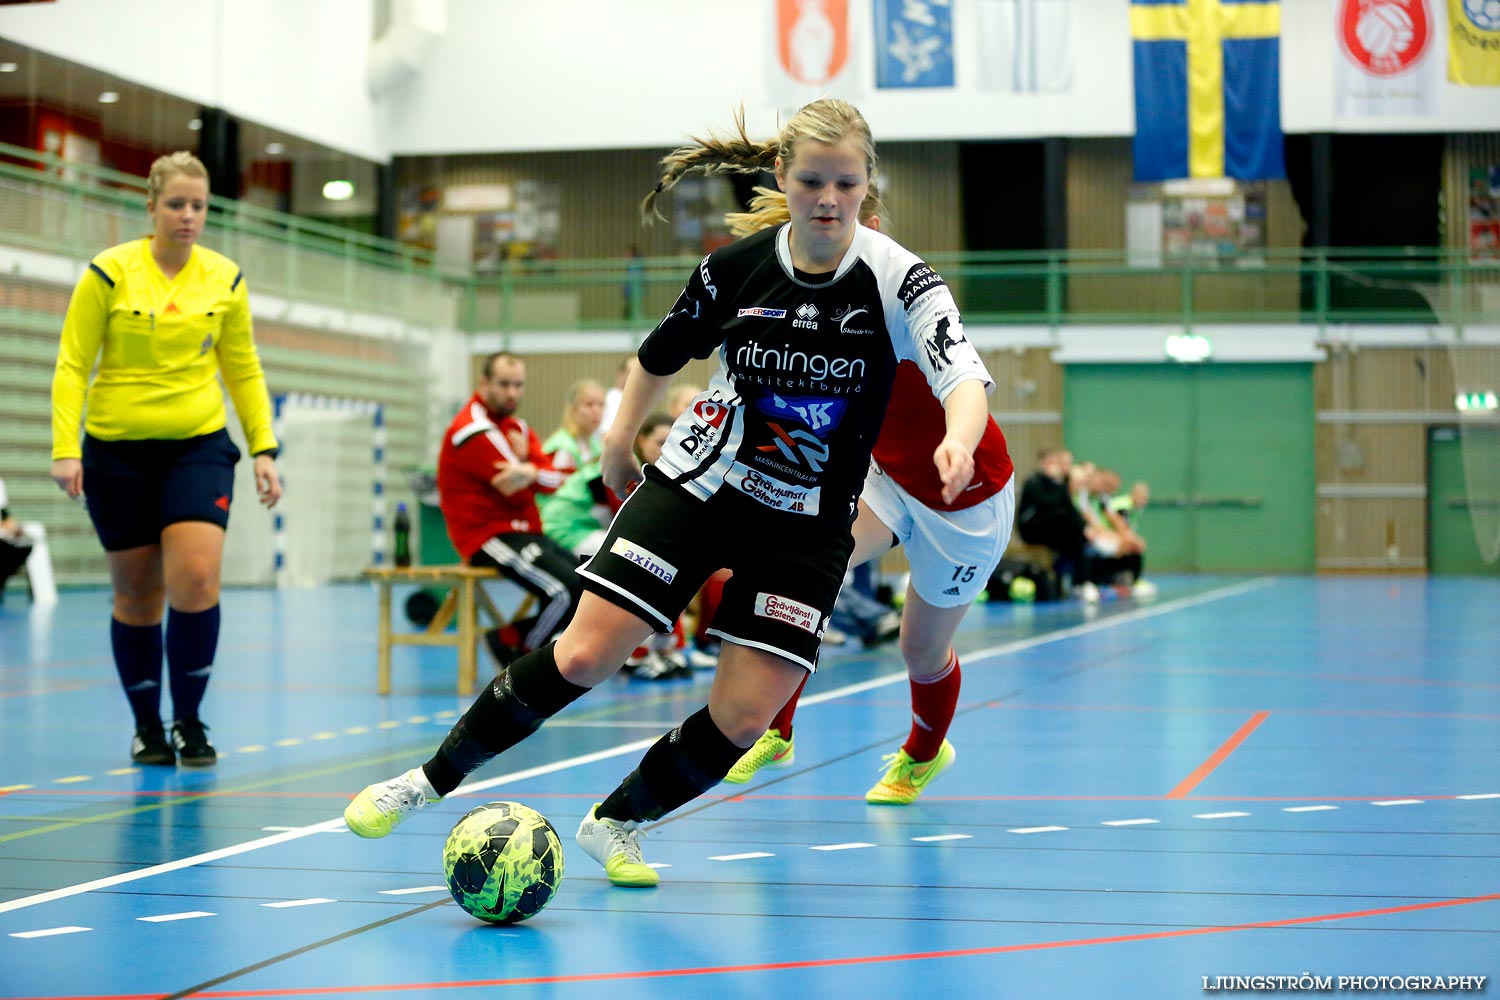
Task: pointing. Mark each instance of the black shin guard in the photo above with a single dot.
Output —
(529, 692)
(678, 768)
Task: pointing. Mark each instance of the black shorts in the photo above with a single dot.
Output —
(787, 569)
(134, 489)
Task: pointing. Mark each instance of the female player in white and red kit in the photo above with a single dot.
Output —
(953, 548)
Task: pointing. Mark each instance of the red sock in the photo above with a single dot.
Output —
(783, 721)
(933, 700)
(709, 597)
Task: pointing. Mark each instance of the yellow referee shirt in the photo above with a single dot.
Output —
(162, 343)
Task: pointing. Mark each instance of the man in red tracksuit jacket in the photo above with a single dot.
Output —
(490, 469)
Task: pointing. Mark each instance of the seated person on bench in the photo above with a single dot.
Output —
(490, 469)
(14, 545)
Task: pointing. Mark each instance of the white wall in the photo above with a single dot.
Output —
(294, 65)
(572, 74)
(514, 75)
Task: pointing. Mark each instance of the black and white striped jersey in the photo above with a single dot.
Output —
(805, 367)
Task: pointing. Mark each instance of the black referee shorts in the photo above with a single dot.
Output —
(134, 489)
(787, 569)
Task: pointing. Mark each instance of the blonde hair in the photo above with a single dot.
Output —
(575, 392)
(164, 168)
(768, 208)
(828, 120)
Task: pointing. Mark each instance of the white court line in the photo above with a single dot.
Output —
(328, 826)
(1037, 829)
(741, 857)
(408, 892)
(1129, 822)
(49, 932)
(1228, 815)
(898, 677)
(165, 917)
(285, 903)
(1097, 625)
(943, 836)
(1307, 809)
(1398, 802)
(841, 847)
(1481, 795)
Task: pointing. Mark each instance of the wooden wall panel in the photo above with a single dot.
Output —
(1099, 177)
(1357, 534)
(1375, 407)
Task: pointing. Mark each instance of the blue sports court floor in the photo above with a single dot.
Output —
(1241, 778)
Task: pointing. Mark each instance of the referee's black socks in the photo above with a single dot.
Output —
(527, 693)
(678, 768)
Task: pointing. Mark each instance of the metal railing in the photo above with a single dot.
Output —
(62, 207)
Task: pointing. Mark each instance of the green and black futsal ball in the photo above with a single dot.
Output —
(503, 862)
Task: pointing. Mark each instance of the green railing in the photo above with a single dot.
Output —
(1323, 287)
(61, 207)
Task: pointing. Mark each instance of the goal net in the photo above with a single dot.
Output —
(329, 524)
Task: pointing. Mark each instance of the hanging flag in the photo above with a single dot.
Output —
(1026, 46)
(1207, 89)
(812, 51)
(1474, 42)
(1385, 64)
(913, 43)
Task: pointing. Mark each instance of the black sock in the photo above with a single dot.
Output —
(137, 650)
(678, 768)
(192, 640)
(529, 692)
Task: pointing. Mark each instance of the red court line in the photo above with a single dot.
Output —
(821, 963)
(1207, 767)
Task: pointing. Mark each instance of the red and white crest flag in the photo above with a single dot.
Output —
(812, 51)
(1388, 63)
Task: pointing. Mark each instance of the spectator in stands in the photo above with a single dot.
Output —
(15, 547)
(577, 442)
(490, 469)
(164, 318)
(1046, 515)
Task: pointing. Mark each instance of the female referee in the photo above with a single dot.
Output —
(760, 476)
(162, 316)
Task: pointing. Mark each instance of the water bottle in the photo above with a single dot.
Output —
(402, 526)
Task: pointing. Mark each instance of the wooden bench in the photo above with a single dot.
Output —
(1039, 554)
(464, 599)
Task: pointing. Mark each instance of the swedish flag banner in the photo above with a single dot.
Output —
(1474, 42)
(1207, 89)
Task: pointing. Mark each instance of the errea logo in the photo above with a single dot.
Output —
(807, 317)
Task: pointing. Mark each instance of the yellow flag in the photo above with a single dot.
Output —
(1474, 42)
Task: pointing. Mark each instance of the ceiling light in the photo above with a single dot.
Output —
(8, 67)
(1189, 348)
(109, 97)
(194, 124)
(275, 148)
(338, 190)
